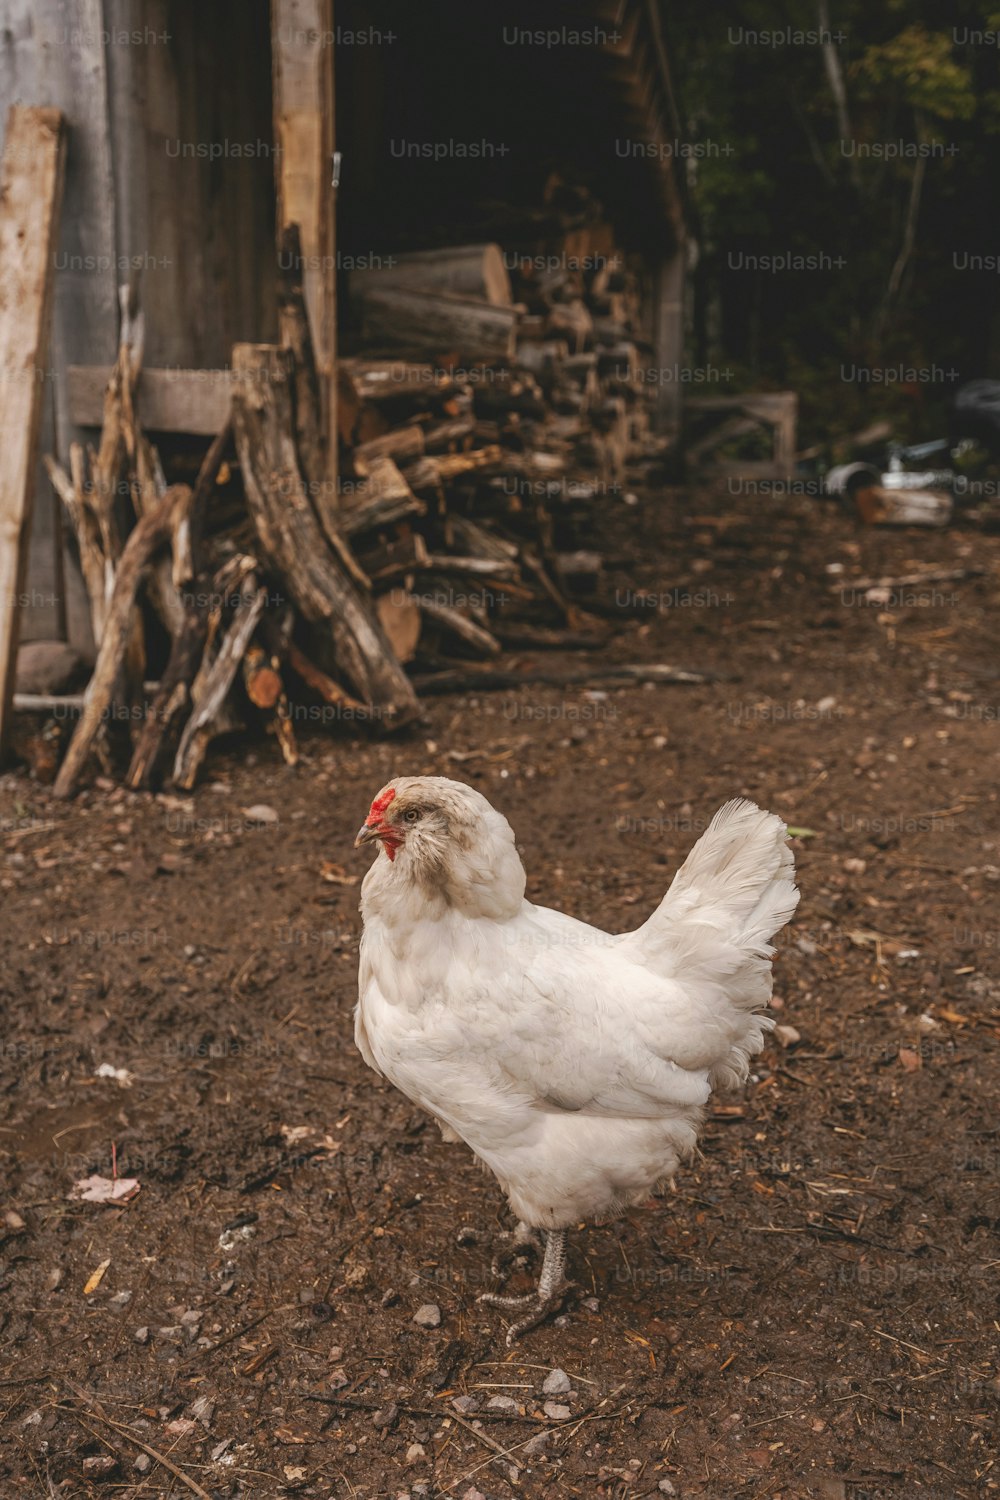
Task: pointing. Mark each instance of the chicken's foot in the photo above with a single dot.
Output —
(548, 1295)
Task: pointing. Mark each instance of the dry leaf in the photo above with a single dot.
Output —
(96, 1278)
(97, 1189)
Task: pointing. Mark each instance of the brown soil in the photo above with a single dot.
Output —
(813, 1311)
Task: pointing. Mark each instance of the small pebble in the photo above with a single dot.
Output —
(141, 1335)
(501, 1403)
(665, 1487)
(415, 1452)
(99, 1464)
(386, 1417)
(557, 1383)
(143, 1463)
(464, 1404)
(428, 1316)
(555, 1411)
(119, 1301)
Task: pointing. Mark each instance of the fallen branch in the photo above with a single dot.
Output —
(150, 533)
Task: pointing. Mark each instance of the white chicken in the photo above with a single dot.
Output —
(575, 1063)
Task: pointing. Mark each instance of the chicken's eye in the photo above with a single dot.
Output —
(411, 815)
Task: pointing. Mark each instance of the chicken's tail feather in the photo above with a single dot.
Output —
(712, 931)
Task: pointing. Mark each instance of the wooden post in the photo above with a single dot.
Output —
(31, 183)
(668, 339)
(302, 51)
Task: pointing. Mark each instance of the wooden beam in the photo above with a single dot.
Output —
(195, 401)
(302, 60)
(31, 184)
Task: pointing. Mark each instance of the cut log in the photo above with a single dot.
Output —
(153, 531)
(391, 379)
(403, 445)
(292, 543)
(265, 689)
(384, 498)
(482, 641)
(331, 692)
(161, 728)
(431, 473)
(211, 686)
(31, 182)
(466, 270)
(395, 559)
(404, 321)
(400, 616)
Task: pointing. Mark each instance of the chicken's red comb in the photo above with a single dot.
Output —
(378, 807)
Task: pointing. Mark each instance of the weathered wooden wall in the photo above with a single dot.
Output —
(170, 167)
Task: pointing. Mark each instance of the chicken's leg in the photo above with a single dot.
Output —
(548, 1296)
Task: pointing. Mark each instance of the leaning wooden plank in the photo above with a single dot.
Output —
(31, 183)
(291, 542)
(293, 330)
(152, 531)
(198, 730)
(303, 85)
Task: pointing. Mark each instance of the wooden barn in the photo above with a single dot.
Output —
(426, 158)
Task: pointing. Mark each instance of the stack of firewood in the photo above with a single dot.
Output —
(477, 437)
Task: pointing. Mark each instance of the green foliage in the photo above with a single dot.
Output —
(920, 76)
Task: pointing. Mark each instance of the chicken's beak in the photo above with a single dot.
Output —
(367, 834)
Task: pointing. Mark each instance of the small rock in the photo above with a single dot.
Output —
(415, 1452)
(501, 1403)
(665, 1487)
(54, 1280)
(99, 1464)
(787, 1035)
(13, 1219)
(143, 1464)
(464, 1404)
(810, 949)
(180, 1427)
(386, 1417)
(390, 1297)
(219, 1450)
(591, 1304)
(556, 1383)
(555, 1411)
(428, 1316)
(855, 866)
(535, 1445)
(473, 1494)
(119, 1301)
(141, 1335)
(926, 1024)
(202, 1410)
(260, 813)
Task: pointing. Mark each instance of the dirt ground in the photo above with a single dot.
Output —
(813, 1311)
